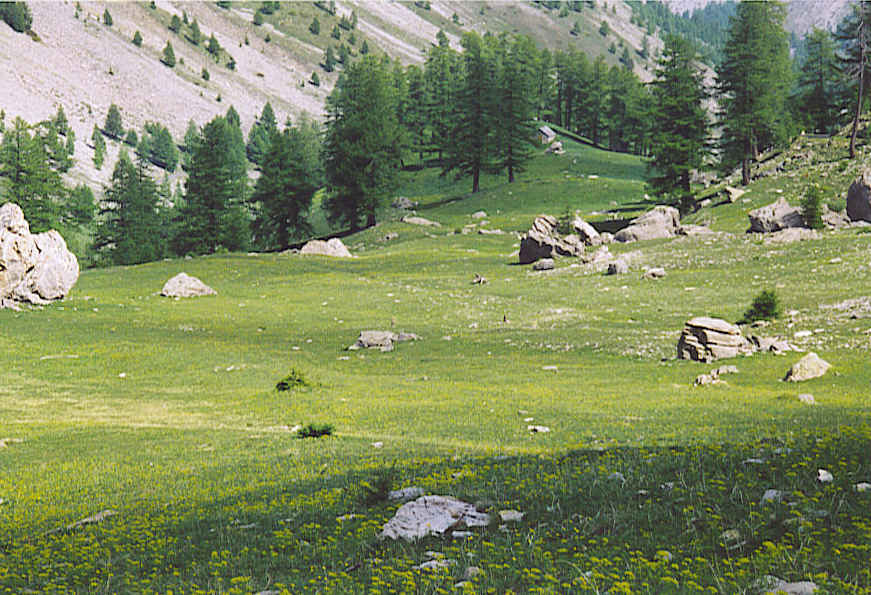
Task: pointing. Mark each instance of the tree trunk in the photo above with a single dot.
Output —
(370, 220)
(745, 162)
(476, 174)
(858, 100)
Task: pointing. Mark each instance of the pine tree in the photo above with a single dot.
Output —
(336, 32)
(168, 55)
(17, 15)
(470, 149)
(114, 127)
(131, 139)
(329, 59)
(107, 18)
(213, 47)
(282, 198)
(514, 125)
(361, 147)
(315, 80)
(854, 37)
(258, 19)
(364, 48)
(195, 36)
(137, 39)
(99, 147)
(315, 27)
(442, 74)
(71, 142)
(754, 80)
(260, 135)
(679, 119)
(175, 24)
(344, 55)
(818, 81)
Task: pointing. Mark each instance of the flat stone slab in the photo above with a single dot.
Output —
(432, 515)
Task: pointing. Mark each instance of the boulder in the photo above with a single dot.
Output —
(556, 148)
(859, 198)
(654, 273)
(544, 241)
(332, 247)
(618, 267)
(661, 222)
(479, 215)
(383, 340)
(835, 219)
(402, 202)
(772, 345)
(793, 234)
(732, 194)
(586, 232)
(599, 257)
(774, 217)
(432, 515)
(545, 264)
(705, 339)
(185, 286)
(413, 220)
(810, 366)
(34, 268)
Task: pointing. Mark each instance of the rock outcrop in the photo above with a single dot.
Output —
(859, 198)
(414, 220)
(383, 340)
(34, 268)
(544, 241)
(185, 286)
(405, 203)
(332, 247)
(661, 222)
(432, 515)
(774, 217)
(707, 339)
(586, 232)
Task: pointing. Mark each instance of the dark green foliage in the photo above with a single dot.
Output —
(679, 120)
(854, 37)
(80, 207)
(362, 144)
(205, 74)
(107, 18)
(129, 229)
(626, 59)
(513, 123)
(819, 83)
(348, 23)
(604, 29)
(16, 15)
(231, 63)
(812, 207)
(71, 142)
(268, 38)
(336, 33)
(114, 127)
(191, 137)
(213, 47)
(576, 29)
(60, 121)
(163, 150)
(131, 139)
(184, 17)
(364, 48)
(258, 19)
(175, 24)
(211, 217)
(754, 81)
(137, 39)
(168, 55)
(315, 430)
(344, 54)
(282, 198)
(315, 27)
(765, 306)
(329, 59)
(195, 36)
(99, 147)
(564, 222)
(269, 7)
(225, 4)
(295, 379)
(315, 80)
(260, 135)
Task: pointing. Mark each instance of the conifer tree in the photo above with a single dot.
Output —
(854, 36)
(514, 124)
(17, 15)
(195, 36)
(260, 135)
(60, 121)
(137, 39)
(441, 76)
(99, 147)
(107, 18)
(680, 127)
(364, 48)
(71, 142)
(168, 55)
(362, 143)
(329, 59)
(819, 80)
(175, 24)
(114, 127)
(315, 27)
(214, 47)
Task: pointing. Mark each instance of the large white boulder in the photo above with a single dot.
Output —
(34, 268)
(432, 515)
(659, 222)
(775, 217)
(185, 286)
(332, 247)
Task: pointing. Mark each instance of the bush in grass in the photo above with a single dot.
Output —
(315, 430)
(293, 380)
(564, 222)
(812, 207)
(765, 306)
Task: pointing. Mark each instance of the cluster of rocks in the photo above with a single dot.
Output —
(555, 148)
(543, 240)
(34, 268)
(382, 340)
(713, 377)
(660, 222)
(706, 339)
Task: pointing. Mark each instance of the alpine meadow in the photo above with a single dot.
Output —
(435, 297)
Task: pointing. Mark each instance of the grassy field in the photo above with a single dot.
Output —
(164, 411)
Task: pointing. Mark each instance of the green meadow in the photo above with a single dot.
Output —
(165, 411)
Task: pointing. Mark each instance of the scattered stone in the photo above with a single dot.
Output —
(695, 230)
(713, 377)
(599, 257)
(772, 496)
(824, 476)
(432, 515)
(511, 516)
(461, 534)
(490, 232)
(405, 494)
(479, 280)
(332, 247)
(802, 334)
(538, 429)
(5, 442)
(377, 445)
(389, 236)
(732, 539)
(775, 217)
(413, 220)
(383, 340)
(753, 461)
(807, 399)
(760, 323)
(732, 194)
(545, 264)
(471, 572)
(550, 368)
(618, 267)
(544, 241)
(403, 202)
(859, 198)
(268, 593)
(772, 345)
(556, 148)
(185, 286)
(654, 273)
(810, 366)
(607, 237)
(436, 564)
(34, 268)
(586, 232)
(793, 234)
(834, 219)
(661, 222)
(707, 339)
(617, 476)
(862, 486)
(479, 215)
(772, 584)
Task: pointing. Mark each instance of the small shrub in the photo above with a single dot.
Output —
(564, 222)
(765, 306)
(812, 207)
(293, 380)
(205, 74)
(315, 430)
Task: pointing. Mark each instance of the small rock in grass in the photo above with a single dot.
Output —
(377, 445)
(802, 334)
(545, 264)
(824, 476)
(184, 286)
(549, 368)
(753, 462)
(732, 539)
(461, 534)
(479, 215)
(538, 429)
(404, 494)
(617, 476)
(436, 564)
(471, 572)
(772, 496)
(863, 486)
(347, 517)
(807, 399)
(618, 267)
(810, 366)
(268, 593)
(654, 273)
(510, 516)
(432, 515)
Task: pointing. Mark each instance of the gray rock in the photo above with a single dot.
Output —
(544, 241)
(545, 264)
(774, 217)
(654, 273)
(732, 194)
(34, 268)
(807, 399)
(383, 340)
(810, 366)
(835, 219)
(402, 202)
(405, 494)
(479, 215)
(705, 339)
(618, 267)
(859, 198)
(793, 234)
(185, 286)
(332, 247)
(586, 232)
(660, 222)
(772, 344)
(432, 515)
(413, 220)
(695, 230)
